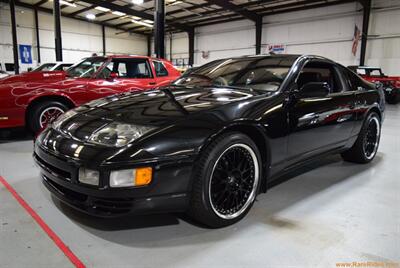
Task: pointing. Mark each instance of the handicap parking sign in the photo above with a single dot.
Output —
(25, 53)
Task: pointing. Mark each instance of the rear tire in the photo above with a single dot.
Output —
(365, 148)
(44, 113)
(226, 181)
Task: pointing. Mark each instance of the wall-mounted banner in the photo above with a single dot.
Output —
(25, 53)
(276, 48)
(356, 38)
(205, 54)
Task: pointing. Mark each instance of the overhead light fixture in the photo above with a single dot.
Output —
(142, 23)
(135, 18)
(90, 16)
(67, 3)
(137, 2)
(103, 9)
(149, 21)
(118, 13)
(175, 3)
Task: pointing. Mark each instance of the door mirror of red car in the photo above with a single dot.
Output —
(113, 76)
(314, 90)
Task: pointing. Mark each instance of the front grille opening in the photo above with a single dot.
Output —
(72, 195)
(113, 205)
(59, 172)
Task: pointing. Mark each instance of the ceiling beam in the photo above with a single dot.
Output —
(193, 7)
(237, 9)
(50, 11)
(115, 7)
(271, 11)
(41, 2)
(132, 12)
(82, 10)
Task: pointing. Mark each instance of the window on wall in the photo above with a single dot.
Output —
(9, 67)
(160, 68)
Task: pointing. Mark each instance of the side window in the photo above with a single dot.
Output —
(66, 66)
(160, 68)
(354, 80)
(143, 70)
(122, 69)
(376, 72)
(128, 68)
(315, 71)
(105, 73)
(361, 71)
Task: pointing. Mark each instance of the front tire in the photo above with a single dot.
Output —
(226, 181)
(44, 113)
(365, 148)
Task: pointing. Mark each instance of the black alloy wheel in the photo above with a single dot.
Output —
(371, 138)
(233, 181)
(226, 180)
(366, 146)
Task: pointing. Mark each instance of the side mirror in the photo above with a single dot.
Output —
(314, 90)
(113, 76)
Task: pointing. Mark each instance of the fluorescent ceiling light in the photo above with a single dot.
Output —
(90, 16)
(142, 23)
(136, 18)
(67, 3)
(119, 13)
(104, 9)
(148, 21)
(175, 3)
(137, 2)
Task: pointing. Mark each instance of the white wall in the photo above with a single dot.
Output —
(79, 39)
(324, 31)
(384, 44)
(224, 40)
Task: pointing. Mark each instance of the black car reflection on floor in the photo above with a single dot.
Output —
(208, 144)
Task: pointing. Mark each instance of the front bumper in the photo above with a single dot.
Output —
(168, 191)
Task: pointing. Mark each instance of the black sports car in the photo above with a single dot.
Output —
(208, 144)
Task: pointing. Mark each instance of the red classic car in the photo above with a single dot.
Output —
(33, 99)
(389, 84)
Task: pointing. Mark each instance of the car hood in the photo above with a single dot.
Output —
(34, 77)
(155, 108)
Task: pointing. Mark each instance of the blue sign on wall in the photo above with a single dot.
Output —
(25, 53)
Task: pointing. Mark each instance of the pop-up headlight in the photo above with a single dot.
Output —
(118, 134)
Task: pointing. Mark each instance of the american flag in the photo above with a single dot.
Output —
(356, 37)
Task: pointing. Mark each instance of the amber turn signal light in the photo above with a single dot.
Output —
(143, 176)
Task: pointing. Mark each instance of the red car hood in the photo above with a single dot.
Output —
(46, 77)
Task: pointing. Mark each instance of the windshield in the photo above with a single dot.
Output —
(87, 67)
(266, 73)
(44, 67)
